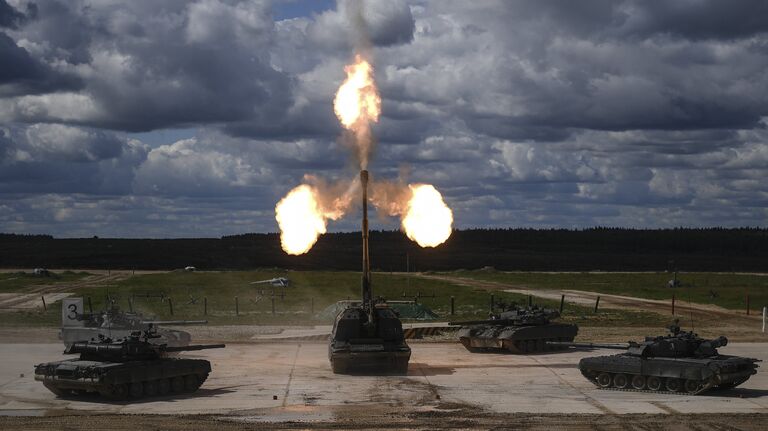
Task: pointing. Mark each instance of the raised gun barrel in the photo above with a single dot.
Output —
(367, 294)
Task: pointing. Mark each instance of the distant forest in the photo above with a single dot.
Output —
(607, 249)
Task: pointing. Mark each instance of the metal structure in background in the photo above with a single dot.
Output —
(76, 325)
(368, 336)
(678, 362)
(129, 368)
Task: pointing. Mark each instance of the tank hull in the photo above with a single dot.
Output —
(369, 358)
(516, 339)
(682, 375)
(123, 380)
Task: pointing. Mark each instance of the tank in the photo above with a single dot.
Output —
(680, 362)
(368, 336)
(125, 369)
(517, 329)
(115, 323)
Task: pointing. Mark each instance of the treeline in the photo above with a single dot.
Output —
(607, 249)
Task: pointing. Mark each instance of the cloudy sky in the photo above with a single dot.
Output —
(176, 118)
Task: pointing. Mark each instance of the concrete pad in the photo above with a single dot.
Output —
(278, 381)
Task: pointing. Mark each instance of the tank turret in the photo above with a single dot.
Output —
(515, 315)
(516, 329)
(115, 323)
(678, 362)
(126, 368)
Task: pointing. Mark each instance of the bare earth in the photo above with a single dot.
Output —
(291, 386)
(711, 320)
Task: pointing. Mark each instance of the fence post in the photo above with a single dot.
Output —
(562, 303)
(453, 303)
(764, 311)
(90, 305)
(491, 310)
(673, 304)
(530, 300)
(747, 304)
(597, 302)
(273, 305)
(170, 305)
(205, 306)
(237, 307)
(44, 307)
(130, 304)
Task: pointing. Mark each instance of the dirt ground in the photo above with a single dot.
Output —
(452, 417)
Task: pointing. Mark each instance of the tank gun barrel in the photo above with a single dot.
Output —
(483, 322)
(194, 347)
(174, 322)
(589, 345)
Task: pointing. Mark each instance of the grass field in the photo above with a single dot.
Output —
(310, 292)
(16, 281)
(724, 290)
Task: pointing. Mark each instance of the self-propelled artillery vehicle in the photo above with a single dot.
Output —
(517, 330)
(368, 336)
(679, 362)
(127, 368)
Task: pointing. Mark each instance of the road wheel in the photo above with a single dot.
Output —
(191, 383)
(673, 385)
(150, 388)
(115, 392)
(692, 386)
(653, 383)
(177, 384)
(135, 390)
(620, 381)
(604, 380)
(530, 346)
(163, 387)
(638, 382)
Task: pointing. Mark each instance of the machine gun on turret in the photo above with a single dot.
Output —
(678, 344)
(516, 329)
(125, 368)
(680, 361)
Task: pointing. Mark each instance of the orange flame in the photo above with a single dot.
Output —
(300, 220)
(304, 212)
(425, 217)
(357, 104)
(428, 219)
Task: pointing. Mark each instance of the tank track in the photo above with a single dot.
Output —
(703, 387)
(532, 345)
(137, 390)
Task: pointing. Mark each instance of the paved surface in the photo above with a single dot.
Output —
(285, 382)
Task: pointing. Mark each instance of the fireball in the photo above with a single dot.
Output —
(427, 219)
(301, 220)
(357, 101)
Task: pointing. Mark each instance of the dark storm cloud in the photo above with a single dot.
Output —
(12, 18)
(709, 19)
(520, 112)
(23, 74)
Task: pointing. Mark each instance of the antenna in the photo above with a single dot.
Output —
(690, 307)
